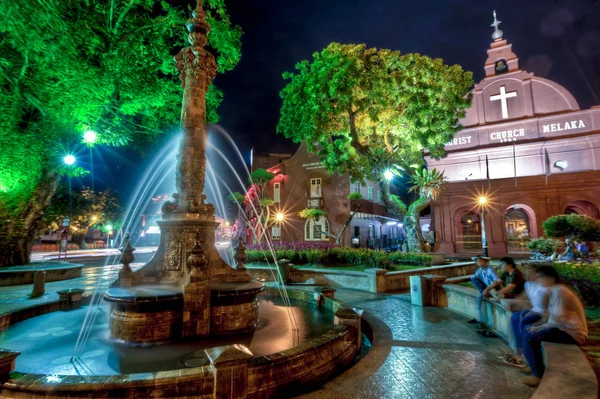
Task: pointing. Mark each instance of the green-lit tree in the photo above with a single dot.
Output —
(428, 184)
(86, 209)
(315, 214)
(71, 66)
(256, 208)
(369, 111)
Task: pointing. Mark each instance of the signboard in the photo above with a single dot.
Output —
(66, 222)
(312, 165)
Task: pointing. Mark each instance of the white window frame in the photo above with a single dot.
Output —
(277, 193)
(318, 184)
(356, 187)
(370, 193)
(276, 232)
(378, 196)
(309, 229)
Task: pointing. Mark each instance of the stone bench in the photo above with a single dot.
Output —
(568, 374)
(459, 279)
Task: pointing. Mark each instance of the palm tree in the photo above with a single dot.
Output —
(428, 184)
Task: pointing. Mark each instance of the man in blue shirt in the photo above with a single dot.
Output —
(486, 280)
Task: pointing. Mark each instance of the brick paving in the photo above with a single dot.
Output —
(416, 352)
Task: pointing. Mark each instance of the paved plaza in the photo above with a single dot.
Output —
(416, 352)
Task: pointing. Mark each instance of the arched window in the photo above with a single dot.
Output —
(316, 229)
(518, 229)
(469, 233)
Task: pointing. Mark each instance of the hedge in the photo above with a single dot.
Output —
(338, 255)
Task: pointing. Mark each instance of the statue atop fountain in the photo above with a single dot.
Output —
(202, 294)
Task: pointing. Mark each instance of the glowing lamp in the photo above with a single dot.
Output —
(69, 159)
(90, 137)
(388, 175)
(482, 200)
(279, 217)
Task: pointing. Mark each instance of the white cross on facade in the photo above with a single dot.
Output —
(502, 97)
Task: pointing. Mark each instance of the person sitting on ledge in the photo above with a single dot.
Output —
(486, 280)
(512, 280)
(531, 305)
(564, 324)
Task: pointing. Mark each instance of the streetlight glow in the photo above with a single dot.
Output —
(388, 175)
(69, 159)
(482, 200)
(279, 217)
(90, 137)
(109, 227)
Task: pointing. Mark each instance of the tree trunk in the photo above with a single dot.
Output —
(80, 241)
(412, 226)
(23, 227)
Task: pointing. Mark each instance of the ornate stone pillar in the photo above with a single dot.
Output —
(196, 291)
(125, 274)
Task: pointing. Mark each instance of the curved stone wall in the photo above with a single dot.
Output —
(232, 372)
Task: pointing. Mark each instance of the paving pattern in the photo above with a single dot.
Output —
(422, 353)
(416, 352)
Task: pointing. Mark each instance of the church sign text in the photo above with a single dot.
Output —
(559, 127)
(506, 136)
(312, 165)
(459, 141)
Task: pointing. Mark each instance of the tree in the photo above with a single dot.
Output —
(104, 66)
(314, 214)
(255, 208)
(571, 226)
(428, 184)
(368, 111)
(87, 209)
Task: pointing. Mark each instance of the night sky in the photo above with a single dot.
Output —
(558, 40)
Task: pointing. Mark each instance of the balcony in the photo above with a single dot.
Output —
(314, 203)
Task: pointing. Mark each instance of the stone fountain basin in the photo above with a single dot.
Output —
(278, 373)
(144, 299)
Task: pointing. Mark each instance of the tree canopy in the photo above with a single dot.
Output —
(71, 66)
(365, 110)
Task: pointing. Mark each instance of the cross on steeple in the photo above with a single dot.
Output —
(497, 32)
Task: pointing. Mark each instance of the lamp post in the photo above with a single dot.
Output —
(90, 137)
(108, 234)
(69, 160)
(482, 203)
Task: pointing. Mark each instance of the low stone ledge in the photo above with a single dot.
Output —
(568, 374)
(496, 315)
(55, 271)
(7, 362)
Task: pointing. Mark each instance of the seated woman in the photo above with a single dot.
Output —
(564, 323)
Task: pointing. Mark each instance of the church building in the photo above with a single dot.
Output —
(527, 149)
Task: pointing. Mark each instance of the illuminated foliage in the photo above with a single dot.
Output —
(369, 112)
(365, 110)
(71, 66)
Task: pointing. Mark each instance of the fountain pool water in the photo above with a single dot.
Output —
(46, 341)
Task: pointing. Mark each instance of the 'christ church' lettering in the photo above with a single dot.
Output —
(506, 136)
(459, 141)
(559, 127)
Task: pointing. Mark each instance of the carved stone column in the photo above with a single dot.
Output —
(196, 291)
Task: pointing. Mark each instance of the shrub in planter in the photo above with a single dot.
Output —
(544, 245)
(583, 278)
(572, 226)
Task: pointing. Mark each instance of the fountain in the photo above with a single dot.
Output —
(174, 295)
(202, 311)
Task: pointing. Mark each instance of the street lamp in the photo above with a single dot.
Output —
(69, 159)
(388, 175)
(482, 200)
(279, 217)
(109, 229)
(90, 137)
